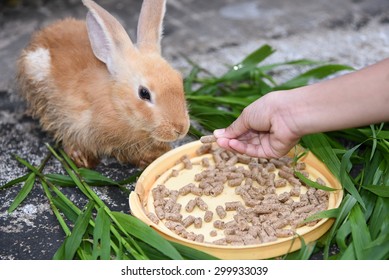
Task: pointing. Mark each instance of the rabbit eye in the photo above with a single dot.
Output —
(144, 94)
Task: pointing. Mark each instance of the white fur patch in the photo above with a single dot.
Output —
(38, 64)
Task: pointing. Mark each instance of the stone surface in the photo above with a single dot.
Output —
(211, 33)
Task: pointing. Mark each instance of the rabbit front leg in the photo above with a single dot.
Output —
(80, 157)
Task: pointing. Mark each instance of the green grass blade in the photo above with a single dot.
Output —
(377, 218)
(60, 180)
(15, 181)
(192, 254)
(359, 231)
(249, 63)
(320, 72)
(319, 145)
(382, 191)
(344, 210)
(94, 178)
(326, 214)
(23, 193)
(69, 248)
(143, 232)
(342, 235)
(311, 183)
(101, 236)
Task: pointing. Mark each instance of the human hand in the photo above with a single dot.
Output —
(264, 129)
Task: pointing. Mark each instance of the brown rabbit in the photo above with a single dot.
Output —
(99, 94)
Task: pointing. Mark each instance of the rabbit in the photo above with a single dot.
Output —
(100, 95)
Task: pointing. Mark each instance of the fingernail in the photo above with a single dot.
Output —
(219, 132)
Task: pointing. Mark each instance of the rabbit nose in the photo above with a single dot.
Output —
(180, 130)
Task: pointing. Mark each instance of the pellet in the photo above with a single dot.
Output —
(270, 167)
(231, 224)
(208, 215)
(191, 236)
(198, 177)
(205, 148)
(187, 162)
(277, 163)
(253, 231)
(208, 139)
(283, 197)
(294, 181)
(320, 181)
(233, 205)
(218, 224)
(196, 191)
(295, 191)
(232, 161)
(175, 217)
(282, 233)
(199, 238)
(235, 182)
(313, 199)
(285, 175)
(213, 233)
(269, 230)
(185, 189)
(207, 191)
(205, 162)
(176, 207)
(189, 220)
(198, 222)
(169, 205)
(221, 212)
(243, 225)
(159, 202)
(263, 209)
(172, 225)
(286, 160)
(217, 190)
(229, 231)
(280, 223)
(287, 169)
(243, 158)
(180, 230)
(304, 209)
(233, 238)
(160, 212)
(224, 155)
(153, 218)
(300, 166)
(190, 205)
(221, 241)
(261, 181)
(235, 175)
(201, 204)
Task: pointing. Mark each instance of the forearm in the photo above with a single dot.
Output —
(352, 100)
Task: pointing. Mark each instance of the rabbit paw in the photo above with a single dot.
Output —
(82, 159)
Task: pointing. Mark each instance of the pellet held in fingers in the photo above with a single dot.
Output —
(207, 139)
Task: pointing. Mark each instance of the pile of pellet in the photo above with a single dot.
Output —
(262, 215)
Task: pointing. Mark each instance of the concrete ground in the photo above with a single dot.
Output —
(211, 33)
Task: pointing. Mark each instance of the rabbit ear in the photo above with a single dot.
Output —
(107, 36)
(150, 25)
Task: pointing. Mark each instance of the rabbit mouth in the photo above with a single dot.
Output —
(170, 133)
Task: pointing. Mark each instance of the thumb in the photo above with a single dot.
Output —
(237, 128)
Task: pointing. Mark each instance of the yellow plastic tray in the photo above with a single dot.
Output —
(157, 173)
